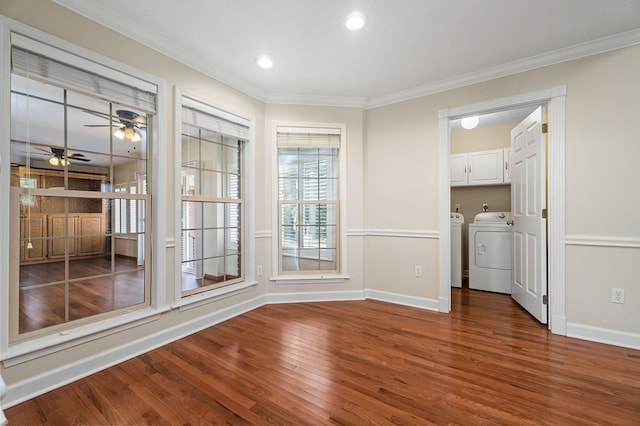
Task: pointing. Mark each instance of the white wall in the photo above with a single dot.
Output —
(602, 187)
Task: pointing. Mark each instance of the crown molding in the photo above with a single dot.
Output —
(316, 100)
(124, 25)
(581, 50)
(127, 27)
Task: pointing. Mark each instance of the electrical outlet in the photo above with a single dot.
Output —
(259, 270)
(485, 207)
(617, 295)
(457, 207)
(418, 271)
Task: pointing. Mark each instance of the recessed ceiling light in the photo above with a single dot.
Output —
(355, 21)
(264, 61)
(470, 122)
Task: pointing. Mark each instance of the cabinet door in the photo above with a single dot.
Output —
(507, 167)
(485, 167)
(458, 169)
(58, 242)
(33, 229)
(90, 233)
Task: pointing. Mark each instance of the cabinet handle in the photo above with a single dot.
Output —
(506, 165)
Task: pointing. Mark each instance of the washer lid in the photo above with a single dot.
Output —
(492, 217)
(456, 217)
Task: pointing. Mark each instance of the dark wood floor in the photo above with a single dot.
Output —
(356, 363)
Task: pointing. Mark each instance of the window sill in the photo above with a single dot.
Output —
(310, 279)
(46, 345)
(199, 299)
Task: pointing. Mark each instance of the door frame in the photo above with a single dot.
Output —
(555, 97)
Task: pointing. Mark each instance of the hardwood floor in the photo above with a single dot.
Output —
(356, 363)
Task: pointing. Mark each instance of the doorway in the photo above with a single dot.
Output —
(555, 98)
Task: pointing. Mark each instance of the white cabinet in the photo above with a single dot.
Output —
(477, 168)
(507, 167)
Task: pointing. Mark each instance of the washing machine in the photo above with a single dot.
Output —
(457, 219)
(490, 252)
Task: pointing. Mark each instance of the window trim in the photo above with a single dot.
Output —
(310, 278)
(184, 97)
(39, 346)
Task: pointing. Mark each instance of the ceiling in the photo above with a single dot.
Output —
(408, 48)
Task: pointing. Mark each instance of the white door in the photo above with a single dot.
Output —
(528, 199)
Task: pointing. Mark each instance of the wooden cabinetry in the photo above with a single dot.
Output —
(33, 229)
(477, 168)
(52, 236)
(55, 226)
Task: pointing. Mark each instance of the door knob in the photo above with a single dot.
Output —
(510, 222)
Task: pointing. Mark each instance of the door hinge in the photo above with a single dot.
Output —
(544, 213)
(545, 127)
(545, 300)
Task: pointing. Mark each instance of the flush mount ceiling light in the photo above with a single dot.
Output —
(355, 21)
(470, 122)
(264, 61)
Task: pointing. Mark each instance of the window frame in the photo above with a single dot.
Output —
(185, 302)
(22, 351)
(311, 277)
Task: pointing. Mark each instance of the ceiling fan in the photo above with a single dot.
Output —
(131, 124)
(58, 158)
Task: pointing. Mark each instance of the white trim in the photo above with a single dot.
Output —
(55, 378)
(264, 234)
(101, 13)
(604, 335)
(342, 191)
(36, 348)
(157, 160)
(555, 97)
(581, 50)
(199, 299)
(403, 299)
(602, 241)
(309, 279)
(316, 296)
(315, 100)
(402, 233)
(184, 97)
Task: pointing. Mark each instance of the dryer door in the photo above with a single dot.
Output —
(493, 249)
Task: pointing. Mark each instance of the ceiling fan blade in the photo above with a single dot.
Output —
(44, 149)
(86, 160)
(98, 125)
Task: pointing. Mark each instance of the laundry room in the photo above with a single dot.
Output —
(480, 182)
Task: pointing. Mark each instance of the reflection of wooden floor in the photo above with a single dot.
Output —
(93, 290)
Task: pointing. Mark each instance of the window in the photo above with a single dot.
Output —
(309, 187)
(80, 149)
(212, 200)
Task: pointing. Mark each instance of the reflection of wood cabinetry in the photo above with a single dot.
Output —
(52, 236)
(34, 227)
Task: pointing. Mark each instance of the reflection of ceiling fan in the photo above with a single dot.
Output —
(131, 124)
(58, 158)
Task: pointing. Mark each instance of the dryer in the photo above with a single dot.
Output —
(457, 219)
(490, 252)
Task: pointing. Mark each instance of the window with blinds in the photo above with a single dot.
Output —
(211, 197)
(308, 200)
(84, 248)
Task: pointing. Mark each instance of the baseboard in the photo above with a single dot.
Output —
(317, 296)
(401, 299)
(604, 335)
(45, 382)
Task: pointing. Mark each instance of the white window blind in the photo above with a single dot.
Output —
(207, 117)
(33, 59)
(313, 137)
